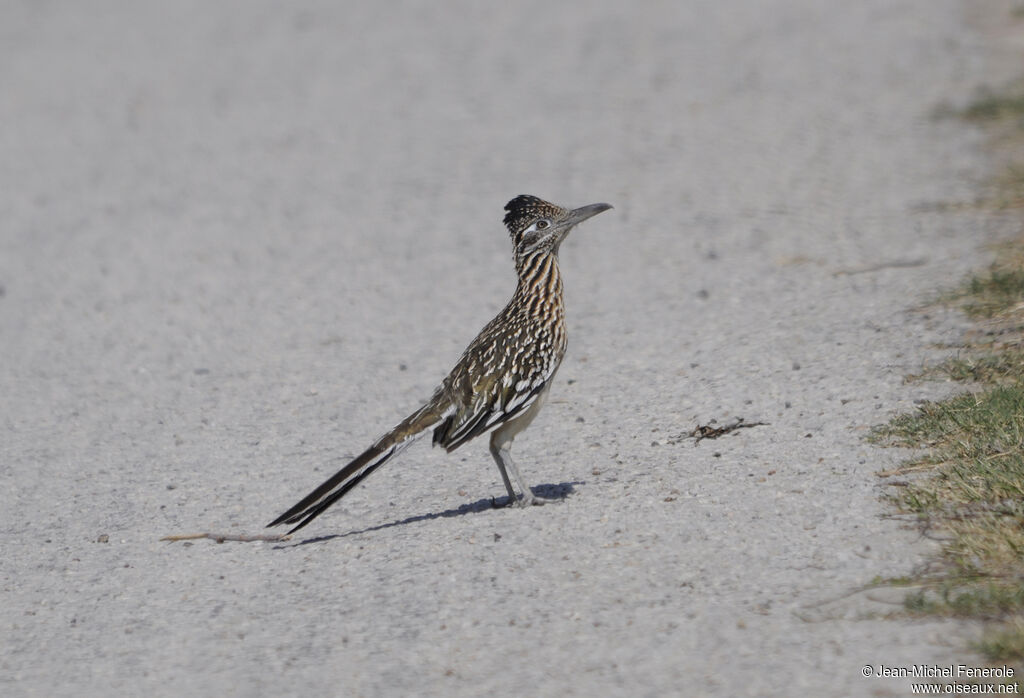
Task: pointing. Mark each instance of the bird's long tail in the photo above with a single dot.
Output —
(392, 443)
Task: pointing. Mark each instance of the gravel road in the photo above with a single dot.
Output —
(240, 240)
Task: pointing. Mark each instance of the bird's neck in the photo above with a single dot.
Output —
(540, 278)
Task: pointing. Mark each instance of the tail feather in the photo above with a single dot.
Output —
(387, 446)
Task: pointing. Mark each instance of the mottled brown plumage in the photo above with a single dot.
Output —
(501, 380)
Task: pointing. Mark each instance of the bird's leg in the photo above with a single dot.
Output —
(500, 451)
(499, 458)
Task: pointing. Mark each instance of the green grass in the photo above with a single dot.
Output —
(992, 106)
(999, 291)
(972, 493)
(999, 367)
(958, 599)
(996, 292)
(1004, 643)
(966, 487)
(977, 447)
(1002, 114)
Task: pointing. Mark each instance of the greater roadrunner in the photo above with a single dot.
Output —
(501, 380)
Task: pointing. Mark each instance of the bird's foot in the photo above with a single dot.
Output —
(528, 498)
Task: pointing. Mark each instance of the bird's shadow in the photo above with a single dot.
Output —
(548, 491)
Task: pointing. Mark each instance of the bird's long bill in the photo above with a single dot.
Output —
(584, 212)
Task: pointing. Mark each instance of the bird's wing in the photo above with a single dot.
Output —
(497, 398)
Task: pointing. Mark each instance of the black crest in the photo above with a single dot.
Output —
(524, 209)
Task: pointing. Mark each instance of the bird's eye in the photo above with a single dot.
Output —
(543, 224)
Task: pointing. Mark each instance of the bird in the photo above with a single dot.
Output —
(500, 382)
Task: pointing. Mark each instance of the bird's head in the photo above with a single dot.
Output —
(538, 226)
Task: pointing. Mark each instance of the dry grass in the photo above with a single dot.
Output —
(967, 489)
(973, 498)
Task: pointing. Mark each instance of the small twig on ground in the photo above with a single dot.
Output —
(707, 431)
(221, 537)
